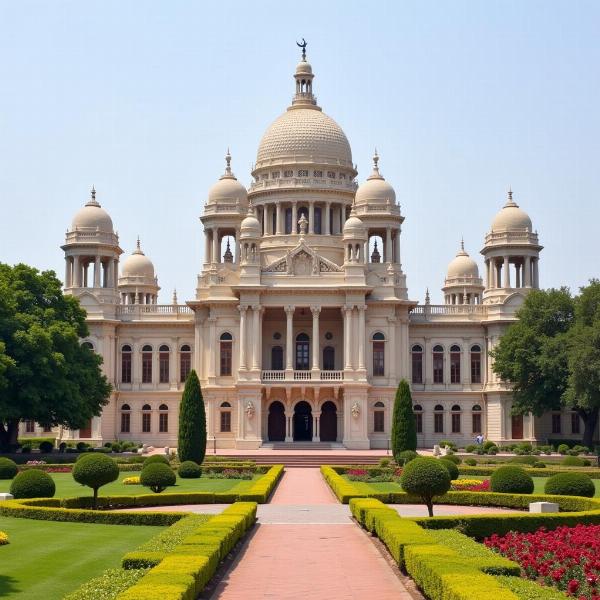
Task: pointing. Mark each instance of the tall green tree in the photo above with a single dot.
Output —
(404, 429)
(45, 373)
(192, 422)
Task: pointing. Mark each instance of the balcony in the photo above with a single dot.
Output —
(301, 376)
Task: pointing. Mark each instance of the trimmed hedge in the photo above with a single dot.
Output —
(450, 467)
(511, 480)
(534, 472)
(33, 484)
(107, 585)
(188, 469)
(8, 468)
(570, 484)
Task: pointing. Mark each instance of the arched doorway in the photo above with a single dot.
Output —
(303, 429)
(276, 422)
(328, 422)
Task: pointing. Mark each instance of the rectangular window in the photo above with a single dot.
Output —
(331, 174)
(379, 359)
(146, 420)
(163, 422)
(288, 173)
(438, 423)
(125, 422)
(575, 423)
(146, 367)
(454, 367)
(475, 367)
(318, 173)
(419, 422)
(379, 421)
(275, 175)
(438, 367)
(126, 367)
(226, 356)
(225, 421)
(29, 426)
(303, 173)
(185, 366)
(417, 367)
(456, 423)
(47, 429)
(163, 367)
(556, 423)
(476, 423)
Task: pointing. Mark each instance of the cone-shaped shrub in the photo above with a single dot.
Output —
(192, 422)
(404, 430)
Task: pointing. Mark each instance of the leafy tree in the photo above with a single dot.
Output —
(45, 373)
(192, 422)
(426, 478)
(94, 471)
(404, 430)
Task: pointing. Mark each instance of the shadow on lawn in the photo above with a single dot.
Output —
(7, 585)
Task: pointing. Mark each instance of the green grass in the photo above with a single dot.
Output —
(539, 483)
(67, 487)
(45, 559)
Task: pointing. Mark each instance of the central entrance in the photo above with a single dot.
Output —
(303, 430)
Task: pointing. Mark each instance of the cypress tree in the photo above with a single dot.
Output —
(404, 430)
(192, 422)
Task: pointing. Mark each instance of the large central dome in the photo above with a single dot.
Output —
(303, 135)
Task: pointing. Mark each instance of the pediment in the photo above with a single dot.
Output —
(302, 261)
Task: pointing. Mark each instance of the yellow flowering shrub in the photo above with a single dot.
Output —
(3, 538)
(131, 481)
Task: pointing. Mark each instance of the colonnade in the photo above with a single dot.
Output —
(272, 217)
(77, 271)
(498, 272)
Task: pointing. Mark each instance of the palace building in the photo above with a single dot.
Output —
(302, 324)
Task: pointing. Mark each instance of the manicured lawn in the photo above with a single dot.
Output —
(67, 487)
(46, 559)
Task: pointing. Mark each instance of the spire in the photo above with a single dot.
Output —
(375, 174)
(174, 297)
(304, 77)
(427, 299)
(138, 248)
(228, 173)
(92, 201)
(462, 251)
(303, 46)
(510, 201)
(375, 256)
(228, 256)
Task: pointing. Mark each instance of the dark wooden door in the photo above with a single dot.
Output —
(328, 422)
(517, 427)
(86, 432)
(276, 422)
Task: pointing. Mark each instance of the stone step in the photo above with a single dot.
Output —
(311, 460)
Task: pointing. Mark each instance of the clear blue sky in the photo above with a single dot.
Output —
(462, 99)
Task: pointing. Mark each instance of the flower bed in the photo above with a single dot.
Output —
(378, 475)
(567, 558)
(470, 485)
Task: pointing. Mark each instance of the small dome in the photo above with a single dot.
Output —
(250, 227)
(304, 68)
(511, 218)
(92, 216)
(138, 265)
(375, 190)
(462, 265)
(228, 190)
(354, 227)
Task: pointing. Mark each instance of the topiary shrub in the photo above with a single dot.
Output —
(572, 461)
(562, 449)
(404, 430)
(448, 444)
(489, 444)
(450, 467)
(157, 477)
(82, 446)
(33, 483)
(426, 478)
(406, 456)
(94, 471)
(8, 468)
(511, 480)
(471, 462)
(189, 470)
(570, 484)
(157, 458)
(452, 458)
(471, 448)
(46, 447)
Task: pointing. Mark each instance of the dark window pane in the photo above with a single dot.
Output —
(226, 421)
(438, 367)
(163, 371)
(379, 421)
(226, 352)
(378, 358)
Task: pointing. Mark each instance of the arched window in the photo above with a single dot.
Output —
(277, 358)
(417, 363)
(225, 417)
(125, 418)
(147, 364)
(126, 364)
(163, 364)
(146, 418)
(88, 345)
(456, 418)
(226, 342)
(454, 364)
(185, 362)
(378, 354)
(476, 363)
(328, 358)
(438, 364)
(438, 419)
(163, 419)
(476, 418)
(418, 410)
(379, 417)
(302, 352)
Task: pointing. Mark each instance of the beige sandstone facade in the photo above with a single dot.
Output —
(302, 325)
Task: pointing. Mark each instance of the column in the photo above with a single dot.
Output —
(212, 370)
(361, 337)
(242, 310)
(288, 427)
(278, 219)
(311, 217)
(428, 362)
(527, 273)
(67, 271)
(289, 313)
(398, 246)
(388, 245)
(97, 272)
(316, 346)
(316, 437)
(536, 274)
(294, 217)
(517, 275)
(115, 272)
(255, 337)
(347, 313)
(216, 251)
(506, 273)
(206, 247)
(327, 218)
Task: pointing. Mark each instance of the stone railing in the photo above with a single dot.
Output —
(318, 376)
(303, 182)
(502, 237)
(427, 311)
(141, 311)
(91, 235)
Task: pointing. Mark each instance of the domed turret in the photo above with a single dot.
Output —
(511, 217)
(138, 284)
(137, 264)
(355, 236)
(250, 227)
(228, 190)
(92, 216)
(462, 265)
(463, 284)
(375, 190)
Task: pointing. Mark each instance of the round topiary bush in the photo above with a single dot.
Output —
(572, 461)
(8, 468)
(82, 446)
(511, 480)
(94, 471)
(562, 448)
(471, 462)
(33, 483)
(426, 478)
(189, 470)
(570, 484)
(46, 447)
(450, 467)
(157, 458)
(157, 476)
(452, 458)
(406, 456)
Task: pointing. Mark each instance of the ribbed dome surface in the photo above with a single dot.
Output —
(304, 134)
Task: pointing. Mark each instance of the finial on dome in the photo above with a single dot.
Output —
(303, 46)
(138, 247)
(510, 201)
(250, 209)
(427, 299)
(92, 201)
(175, 296)
(462, 244)
(376, 161)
